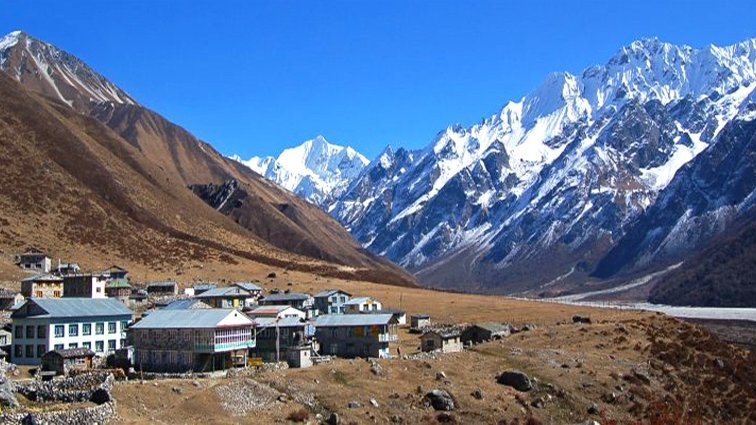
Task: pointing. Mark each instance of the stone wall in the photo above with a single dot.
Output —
(69, 390)
(100, 414)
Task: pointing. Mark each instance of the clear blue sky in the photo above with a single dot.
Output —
(255, 77)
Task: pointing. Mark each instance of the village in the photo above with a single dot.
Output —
(65, 322)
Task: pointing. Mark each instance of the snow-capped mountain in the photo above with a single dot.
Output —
(536, 195)
(315, 170)
(48, 70)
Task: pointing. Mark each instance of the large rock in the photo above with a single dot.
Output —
(100, 396)
(515, 379)
(440, 400)
(7, 394)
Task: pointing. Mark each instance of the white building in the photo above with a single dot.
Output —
(44, 324)
(87, 285)
(361, 305)
(35, 260)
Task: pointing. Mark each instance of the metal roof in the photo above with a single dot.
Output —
(329, 292)
(44, 277)
(70, 353)
(328, 320)
(226, 291)
(185, 305)
(72, 307)
(249, 286)
(161, 284)
(359, 300)
(203, 318)
(291, 296)
(271, 309)
(286, 322)
(118, 283)
(493, 327)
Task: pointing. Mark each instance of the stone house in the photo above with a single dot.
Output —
(44, 324)
(162, 289)
(9, 298)
(482, 332)
(331, 301)
(63, 361)
(118, 289)
(356, 335)
(228, 297)
(199, 340)
(420, 321)
(276, 335)
(35, 260)
(87, 285)
(42, 286)
(444, 340)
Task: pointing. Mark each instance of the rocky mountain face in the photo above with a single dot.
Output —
(628, 165)
(136, 166)
(316, 170)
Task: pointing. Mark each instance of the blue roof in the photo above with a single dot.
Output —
(329, 292)
(249, 286)
(71, 307)
(327, 320)
(359, 300)
(183, 304)
(227, 291)
(44, 277)
(191, 319)
(292, 296)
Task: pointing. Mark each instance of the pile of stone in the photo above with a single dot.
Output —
(73, 389)
(246, 395)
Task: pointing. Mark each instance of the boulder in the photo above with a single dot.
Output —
(593, 409)
(515, 379)
(581, 319)
(440, 400)
(477, 394)
(333, 419)
(440, 376)
(7, 394)
(100, 396)
(354, 404)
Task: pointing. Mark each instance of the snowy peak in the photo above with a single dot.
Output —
(45, 69)
(315, 170)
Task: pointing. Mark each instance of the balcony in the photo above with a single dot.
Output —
(388, 337)
(225, 346)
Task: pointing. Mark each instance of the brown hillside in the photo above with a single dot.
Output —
(74, 187)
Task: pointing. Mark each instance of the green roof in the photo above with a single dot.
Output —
(118, 283)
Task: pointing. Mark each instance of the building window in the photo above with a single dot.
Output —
(58, 347)
(17, 350)
(98, 290)
(124, 324)
(19, 331)
(111, 345)
(73, 330)
(87, 345)
(41, 331)
(40, 350)
(99, 328)
(59, 331)
(86, 329)
(56, 294)
(111, 327)
(99, 346)
(29, 351)
(30, 332)
(73, 345)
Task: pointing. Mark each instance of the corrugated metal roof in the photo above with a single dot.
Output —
(249, 286)
(226, 291)
(292, 296)
(118, 283)
(44, 277)
(286, 322)
(328, 320)
(161, 284)
(185, 305)
(76, 307)
(359, 300)
(191, 319)
(270, 309)
(329, 292)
